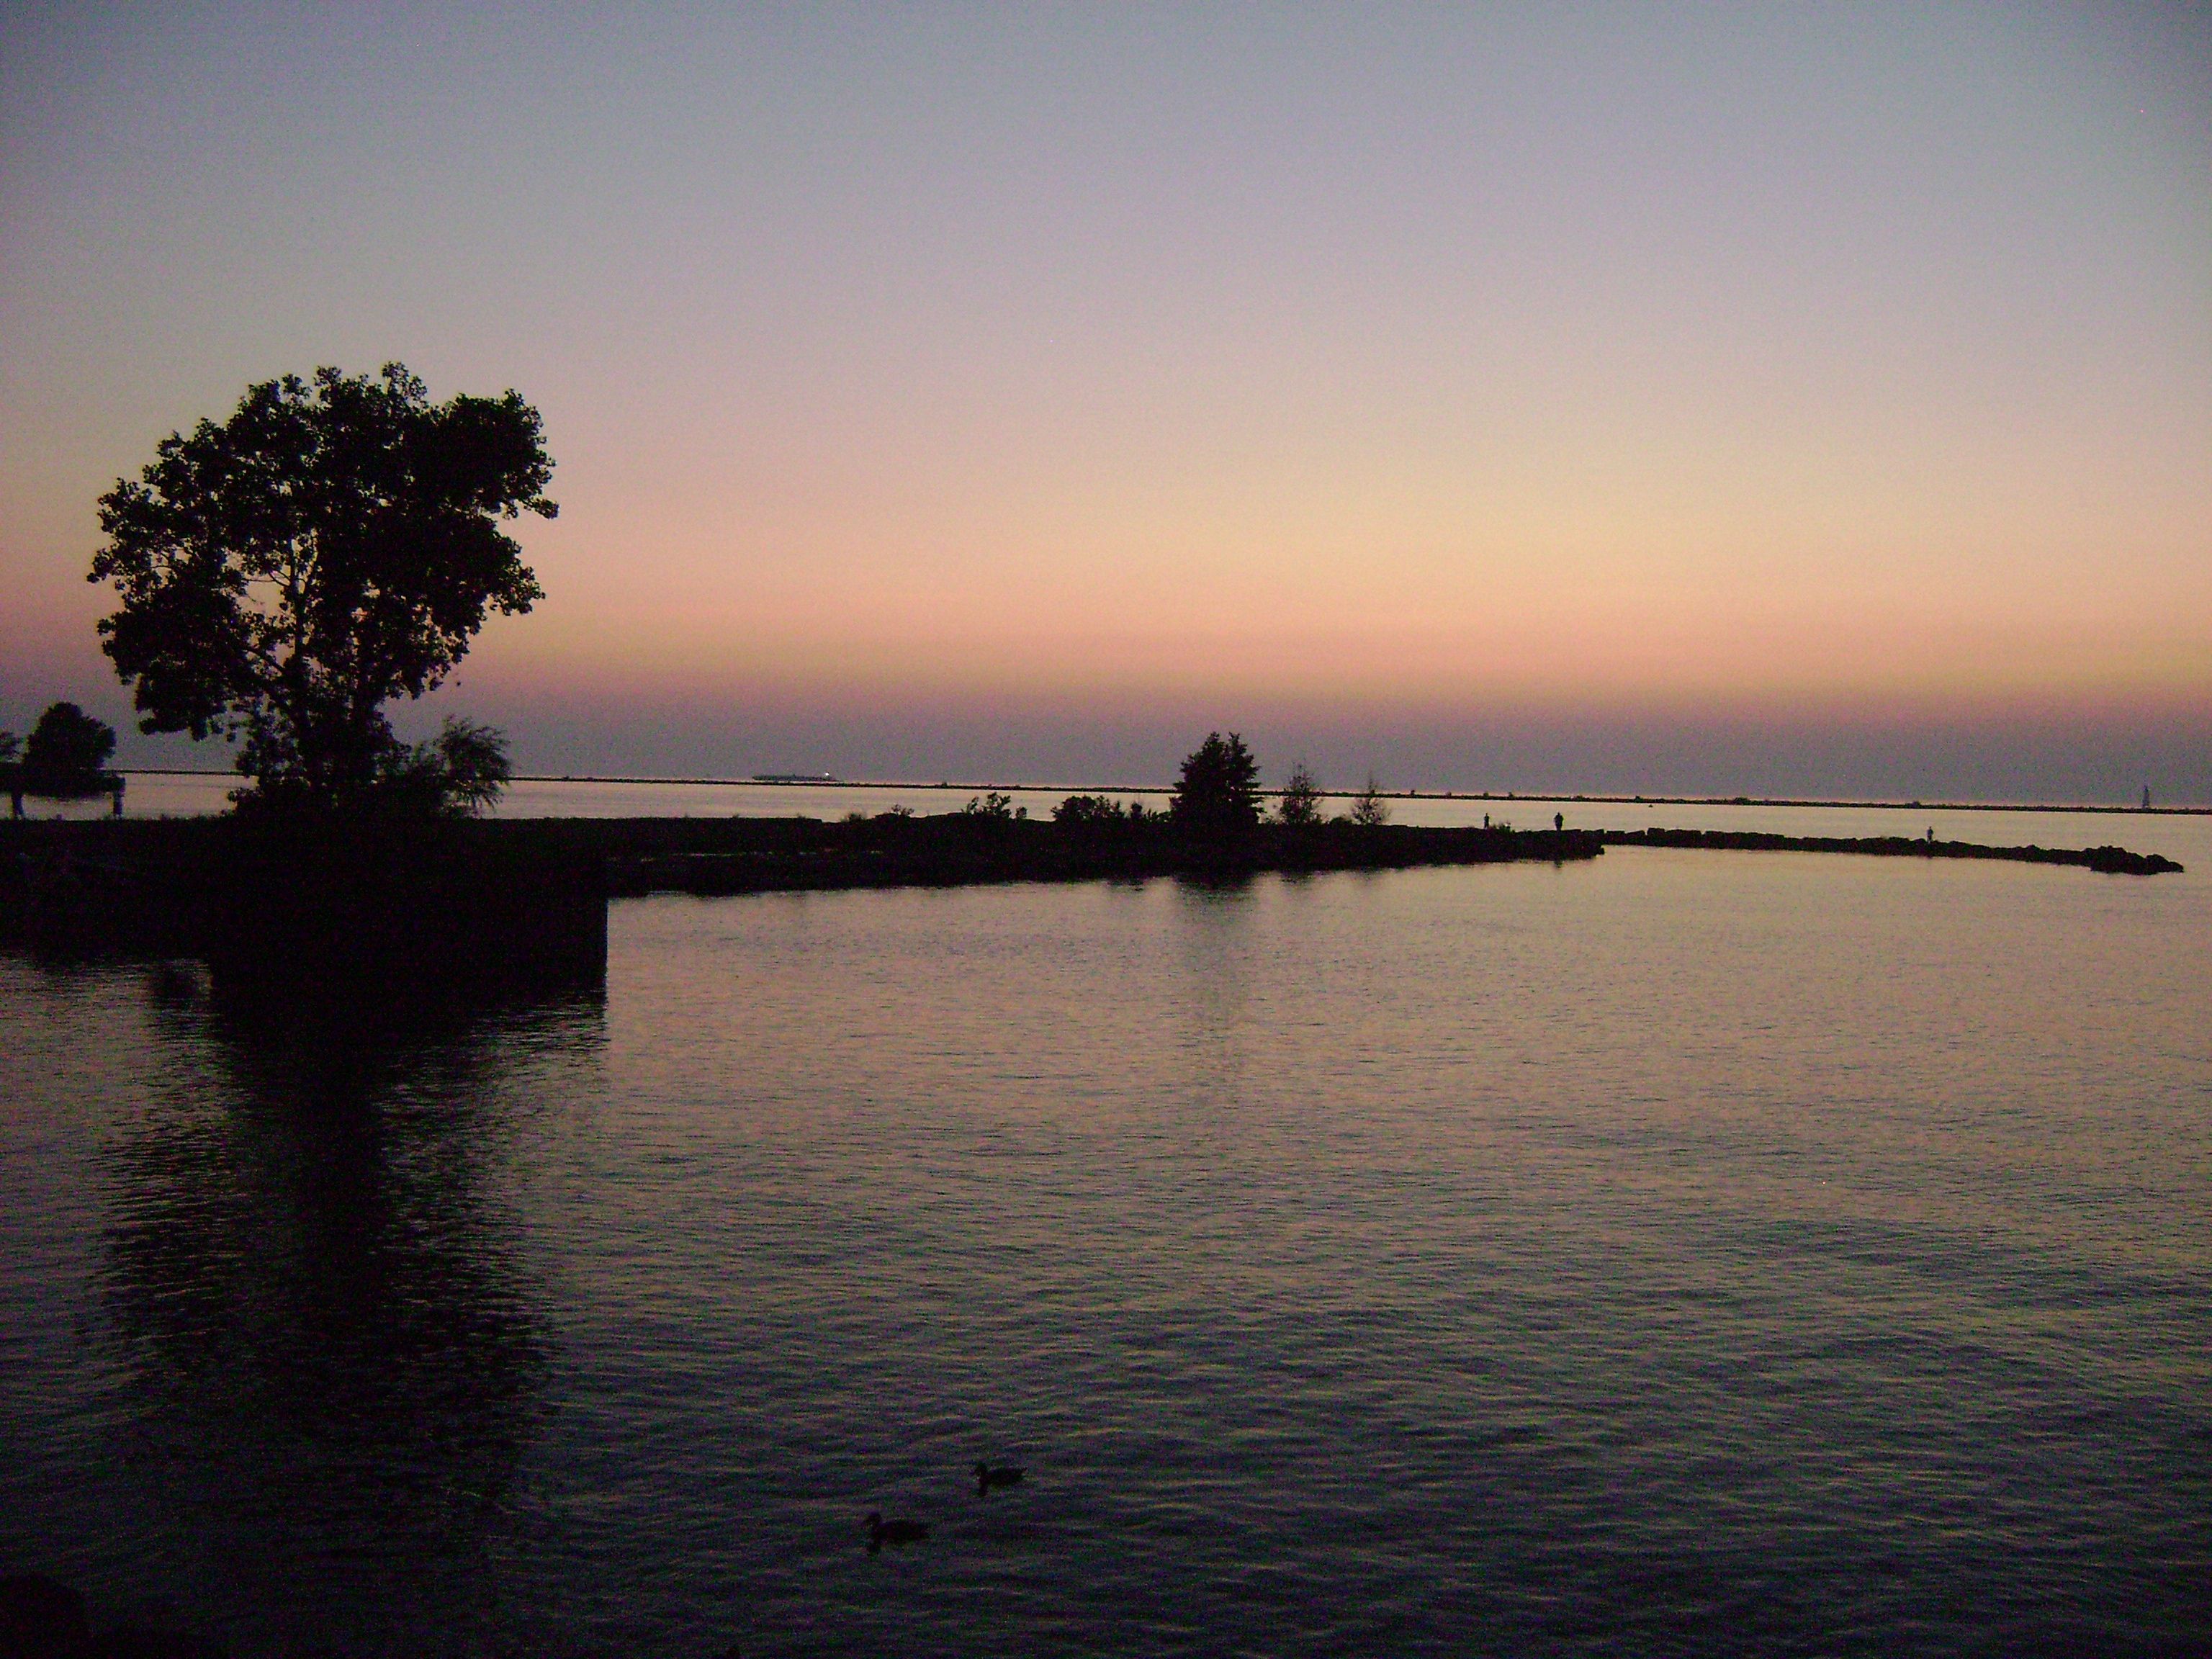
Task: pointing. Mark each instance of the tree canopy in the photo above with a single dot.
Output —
(67, 748)
(335, 543)
(1218, 796)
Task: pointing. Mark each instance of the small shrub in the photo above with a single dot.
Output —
(1369, 809)
(460, 773)
(1301, 798)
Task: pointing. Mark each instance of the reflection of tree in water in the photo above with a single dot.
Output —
(323, 1310)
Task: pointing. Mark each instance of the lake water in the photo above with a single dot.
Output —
(1682, 1252)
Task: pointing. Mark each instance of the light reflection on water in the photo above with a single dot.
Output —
(1686, 1251)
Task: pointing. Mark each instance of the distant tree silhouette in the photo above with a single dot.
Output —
(334, 544)
(1301, 796)
(7, 748)
(1369, 809)
(1218, 796)
(990, 805)
(67, 749)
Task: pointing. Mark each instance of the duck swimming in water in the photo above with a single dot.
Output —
(882, 1532)
(1006, 1474)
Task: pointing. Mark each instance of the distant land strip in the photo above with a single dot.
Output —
(2108, 861)
(796, 781)
(711, 857)
(516, 899)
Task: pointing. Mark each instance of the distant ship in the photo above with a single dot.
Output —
(794, 777)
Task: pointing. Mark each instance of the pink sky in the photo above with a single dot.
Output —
(1819, 402)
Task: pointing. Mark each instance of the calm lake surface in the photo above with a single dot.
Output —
(1684, 1252)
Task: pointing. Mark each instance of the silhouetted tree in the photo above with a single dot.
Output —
(334, 544)
(1301, 798)
(7, 748)
(1217, 797)
(68, 747)
(1369, 809)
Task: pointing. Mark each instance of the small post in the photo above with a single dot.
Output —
(116, 793)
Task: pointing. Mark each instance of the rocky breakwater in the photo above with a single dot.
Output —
(708, 857)
(2108, 861)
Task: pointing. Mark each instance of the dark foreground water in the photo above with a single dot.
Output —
(1684, 1253)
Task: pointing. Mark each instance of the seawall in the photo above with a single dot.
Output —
(435, 907)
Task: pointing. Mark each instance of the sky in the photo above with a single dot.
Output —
(1764, 399)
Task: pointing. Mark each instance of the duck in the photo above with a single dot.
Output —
(882, 1532)
(1006, 1474)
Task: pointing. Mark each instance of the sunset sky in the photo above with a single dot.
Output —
(1765, 399)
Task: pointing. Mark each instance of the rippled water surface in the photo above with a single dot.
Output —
(1683, 1252)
